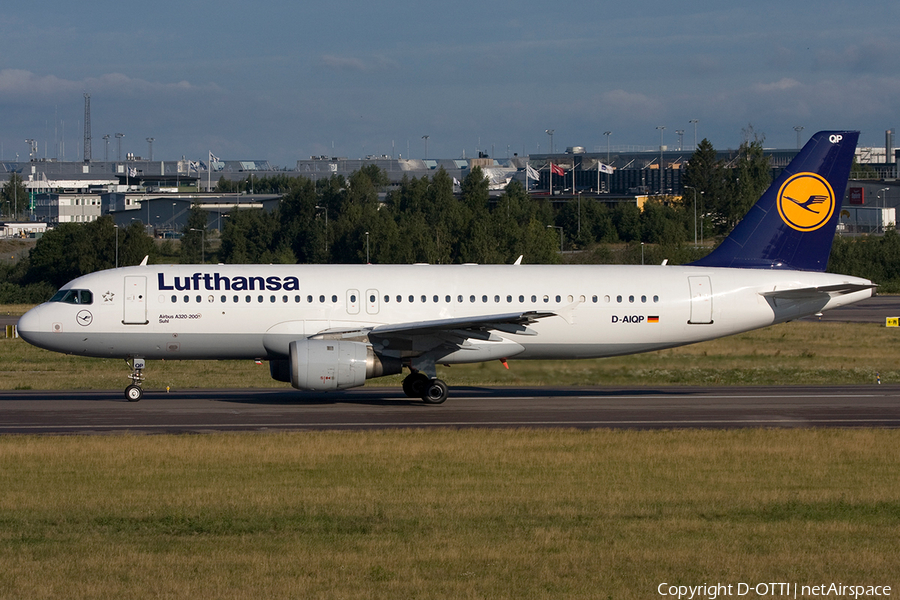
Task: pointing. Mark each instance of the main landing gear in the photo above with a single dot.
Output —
(430, 390)
(135, 392)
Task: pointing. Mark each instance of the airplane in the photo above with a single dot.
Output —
(328, 327)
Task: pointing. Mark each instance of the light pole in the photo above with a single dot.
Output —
(150, 145)
(642, 253)
(560, 236)
(883, 198)
(202, 245)
(661, 128)
(325, 208)
(694, 123)
(367, 248)
(680, 133)
(550, 133)
(690, 187)
(607, 134)
(119, 137)
(117, 245)
(106, 156)
(798, 129)
(425, 137)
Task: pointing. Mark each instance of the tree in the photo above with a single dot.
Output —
(193, 242)
(705, 176)
(14, 196)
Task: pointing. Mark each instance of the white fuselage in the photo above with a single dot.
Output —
(254, 312)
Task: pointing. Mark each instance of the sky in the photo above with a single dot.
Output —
(283, 81)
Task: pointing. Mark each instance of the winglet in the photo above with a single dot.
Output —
(792, 225)
(144, 262)
(519, 260)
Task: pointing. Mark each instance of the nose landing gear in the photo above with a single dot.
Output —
(135, 392)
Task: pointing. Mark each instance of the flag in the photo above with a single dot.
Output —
(604, 168)
(556, 169)
(531, 173)
(456, 182)
(132, 172)
(194, 165)
(213, 157)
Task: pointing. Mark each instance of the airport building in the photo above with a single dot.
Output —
(161, 193)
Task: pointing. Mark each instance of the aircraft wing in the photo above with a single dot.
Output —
(815, 292)
(515, 322)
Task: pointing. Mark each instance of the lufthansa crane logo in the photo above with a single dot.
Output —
(806, 201)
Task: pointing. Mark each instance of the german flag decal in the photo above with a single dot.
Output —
(652, 319)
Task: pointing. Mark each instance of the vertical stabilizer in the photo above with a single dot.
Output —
(792, 225)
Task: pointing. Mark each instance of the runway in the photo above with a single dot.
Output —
(92, 412)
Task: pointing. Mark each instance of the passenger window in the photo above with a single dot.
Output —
(334, 299)
(353, 298)
(459, 298)
(656, 298)
(471, 298)
(606, 298)
(284, 299)
(424, 298)
(372, 298)
(496, 298)
(174, 299)
(297, 299)
(211, 298)
(247, 299)
(412, 298)
(199, 298)
(387, 298)
(484, 298)
(546, 299)
(272, 298)
(187, 298)
(509, 299)
(236, 299)
(534, 298)
(594, 298)
(436, 299)
(521, 298)
(309, 299)
(618, 298)
(643, 298)
(322, 299)
(631, 298)
(259, 298)
(558, 299)
(224, 298)
(399, 298)
(447, 299)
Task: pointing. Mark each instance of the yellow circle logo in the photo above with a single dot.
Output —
(805, 201)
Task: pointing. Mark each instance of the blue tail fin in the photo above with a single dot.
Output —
(792, 225)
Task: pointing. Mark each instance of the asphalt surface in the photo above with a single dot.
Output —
(65, 412)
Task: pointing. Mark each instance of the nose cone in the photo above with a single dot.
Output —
(29, 325)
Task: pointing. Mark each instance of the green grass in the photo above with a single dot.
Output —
(790, 353)
(445, 514)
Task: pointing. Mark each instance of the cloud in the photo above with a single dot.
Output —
(16, 84)
(351, 63)
(781, 85)
(631, 103)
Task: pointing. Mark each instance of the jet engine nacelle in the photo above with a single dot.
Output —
(331, 365)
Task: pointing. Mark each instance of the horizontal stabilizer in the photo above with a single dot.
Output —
(839, 289)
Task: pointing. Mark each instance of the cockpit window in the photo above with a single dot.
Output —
(73, 297)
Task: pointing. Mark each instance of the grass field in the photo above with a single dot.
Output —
(790, 353)
(445, 514)
(459, 514)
